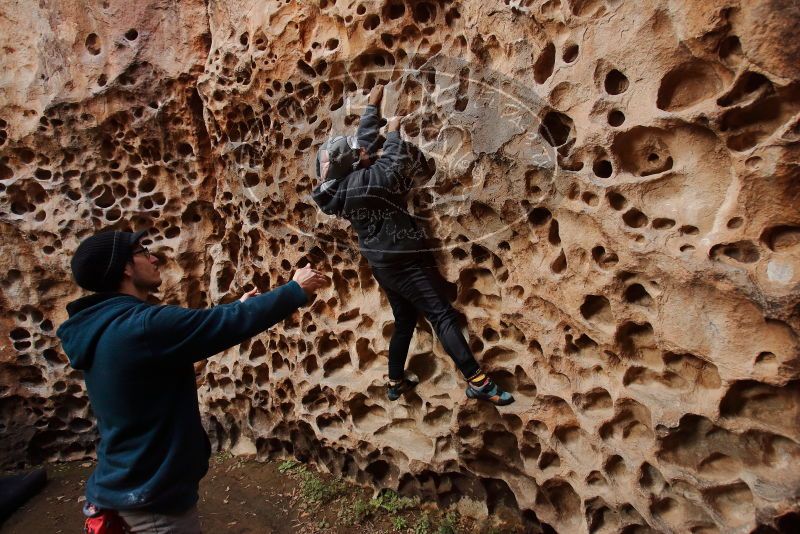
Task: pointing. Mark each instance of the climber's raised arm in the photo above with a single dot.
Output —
(367, 132)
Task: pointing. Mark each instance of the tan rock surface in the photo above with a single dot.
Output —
(613, 186)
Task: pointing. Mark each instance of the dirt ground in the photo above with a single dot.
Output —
(243, 497)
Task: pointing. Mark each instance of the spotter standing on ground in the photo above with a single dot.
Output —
(137, 360)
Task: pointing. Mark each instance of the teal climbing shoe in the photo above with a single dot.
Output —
(404, 386)
(491, 392)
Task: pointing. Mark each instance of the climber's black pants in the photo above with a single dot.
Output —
(413, 288)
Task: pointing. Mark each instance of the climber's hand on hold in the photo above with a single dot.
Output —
(252, 293)
(394, 124)
(310, 280)
(375, 95)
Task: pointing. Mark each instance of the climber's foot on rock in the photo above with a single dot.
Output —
(484, 388)
(395, 388)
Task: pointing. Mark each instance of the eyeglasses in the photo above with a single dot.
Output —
(144, 251)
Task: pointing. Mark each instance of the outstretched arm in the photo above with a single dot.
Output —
(196, 334)
(367, 132)
(192, 335)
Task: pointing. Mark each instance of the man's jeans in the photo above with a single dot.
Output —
(413, 288)
(143, 522)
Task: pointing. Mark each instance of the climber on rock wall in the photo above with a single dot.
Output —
(372, 197)
(137, 360)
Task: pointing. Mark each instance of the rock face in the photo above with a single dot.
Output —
(613, 187)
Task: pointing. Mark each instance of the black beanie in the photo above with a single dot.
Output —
(99, 261)
(337, 157)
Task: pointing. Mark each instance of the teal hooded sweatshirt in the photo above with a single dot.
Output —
(137, 361)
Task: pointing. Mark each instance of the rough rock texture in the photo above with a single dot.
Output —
(614, 187)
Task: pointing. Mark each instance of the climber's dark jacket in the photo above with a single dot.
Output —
(373, 199)
(137, 361)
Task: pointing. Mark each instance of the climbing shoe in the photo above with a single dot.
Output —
(395, 389)
(489, 391)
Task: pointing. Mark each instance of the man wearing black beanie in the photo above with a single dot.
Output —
(99, 261)
(137, 360)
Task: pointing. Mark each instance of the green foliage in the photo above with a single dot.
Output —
(387, 505)
(393, 503)
(316, 490)
(287, 465)
(388, 502)
(398, 522)
(362, 510)
(449, 524)
(424, 524)
(312, 487)
(357, 512)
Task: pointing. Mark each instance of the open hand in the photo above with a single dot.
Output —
(310, 280)
(252, 293)
(375, 95)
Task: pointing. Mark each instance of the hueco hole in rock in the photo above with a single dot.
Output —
(610, 190)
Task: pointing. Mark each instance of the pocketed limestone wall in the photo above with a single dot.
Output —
(611, 189)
